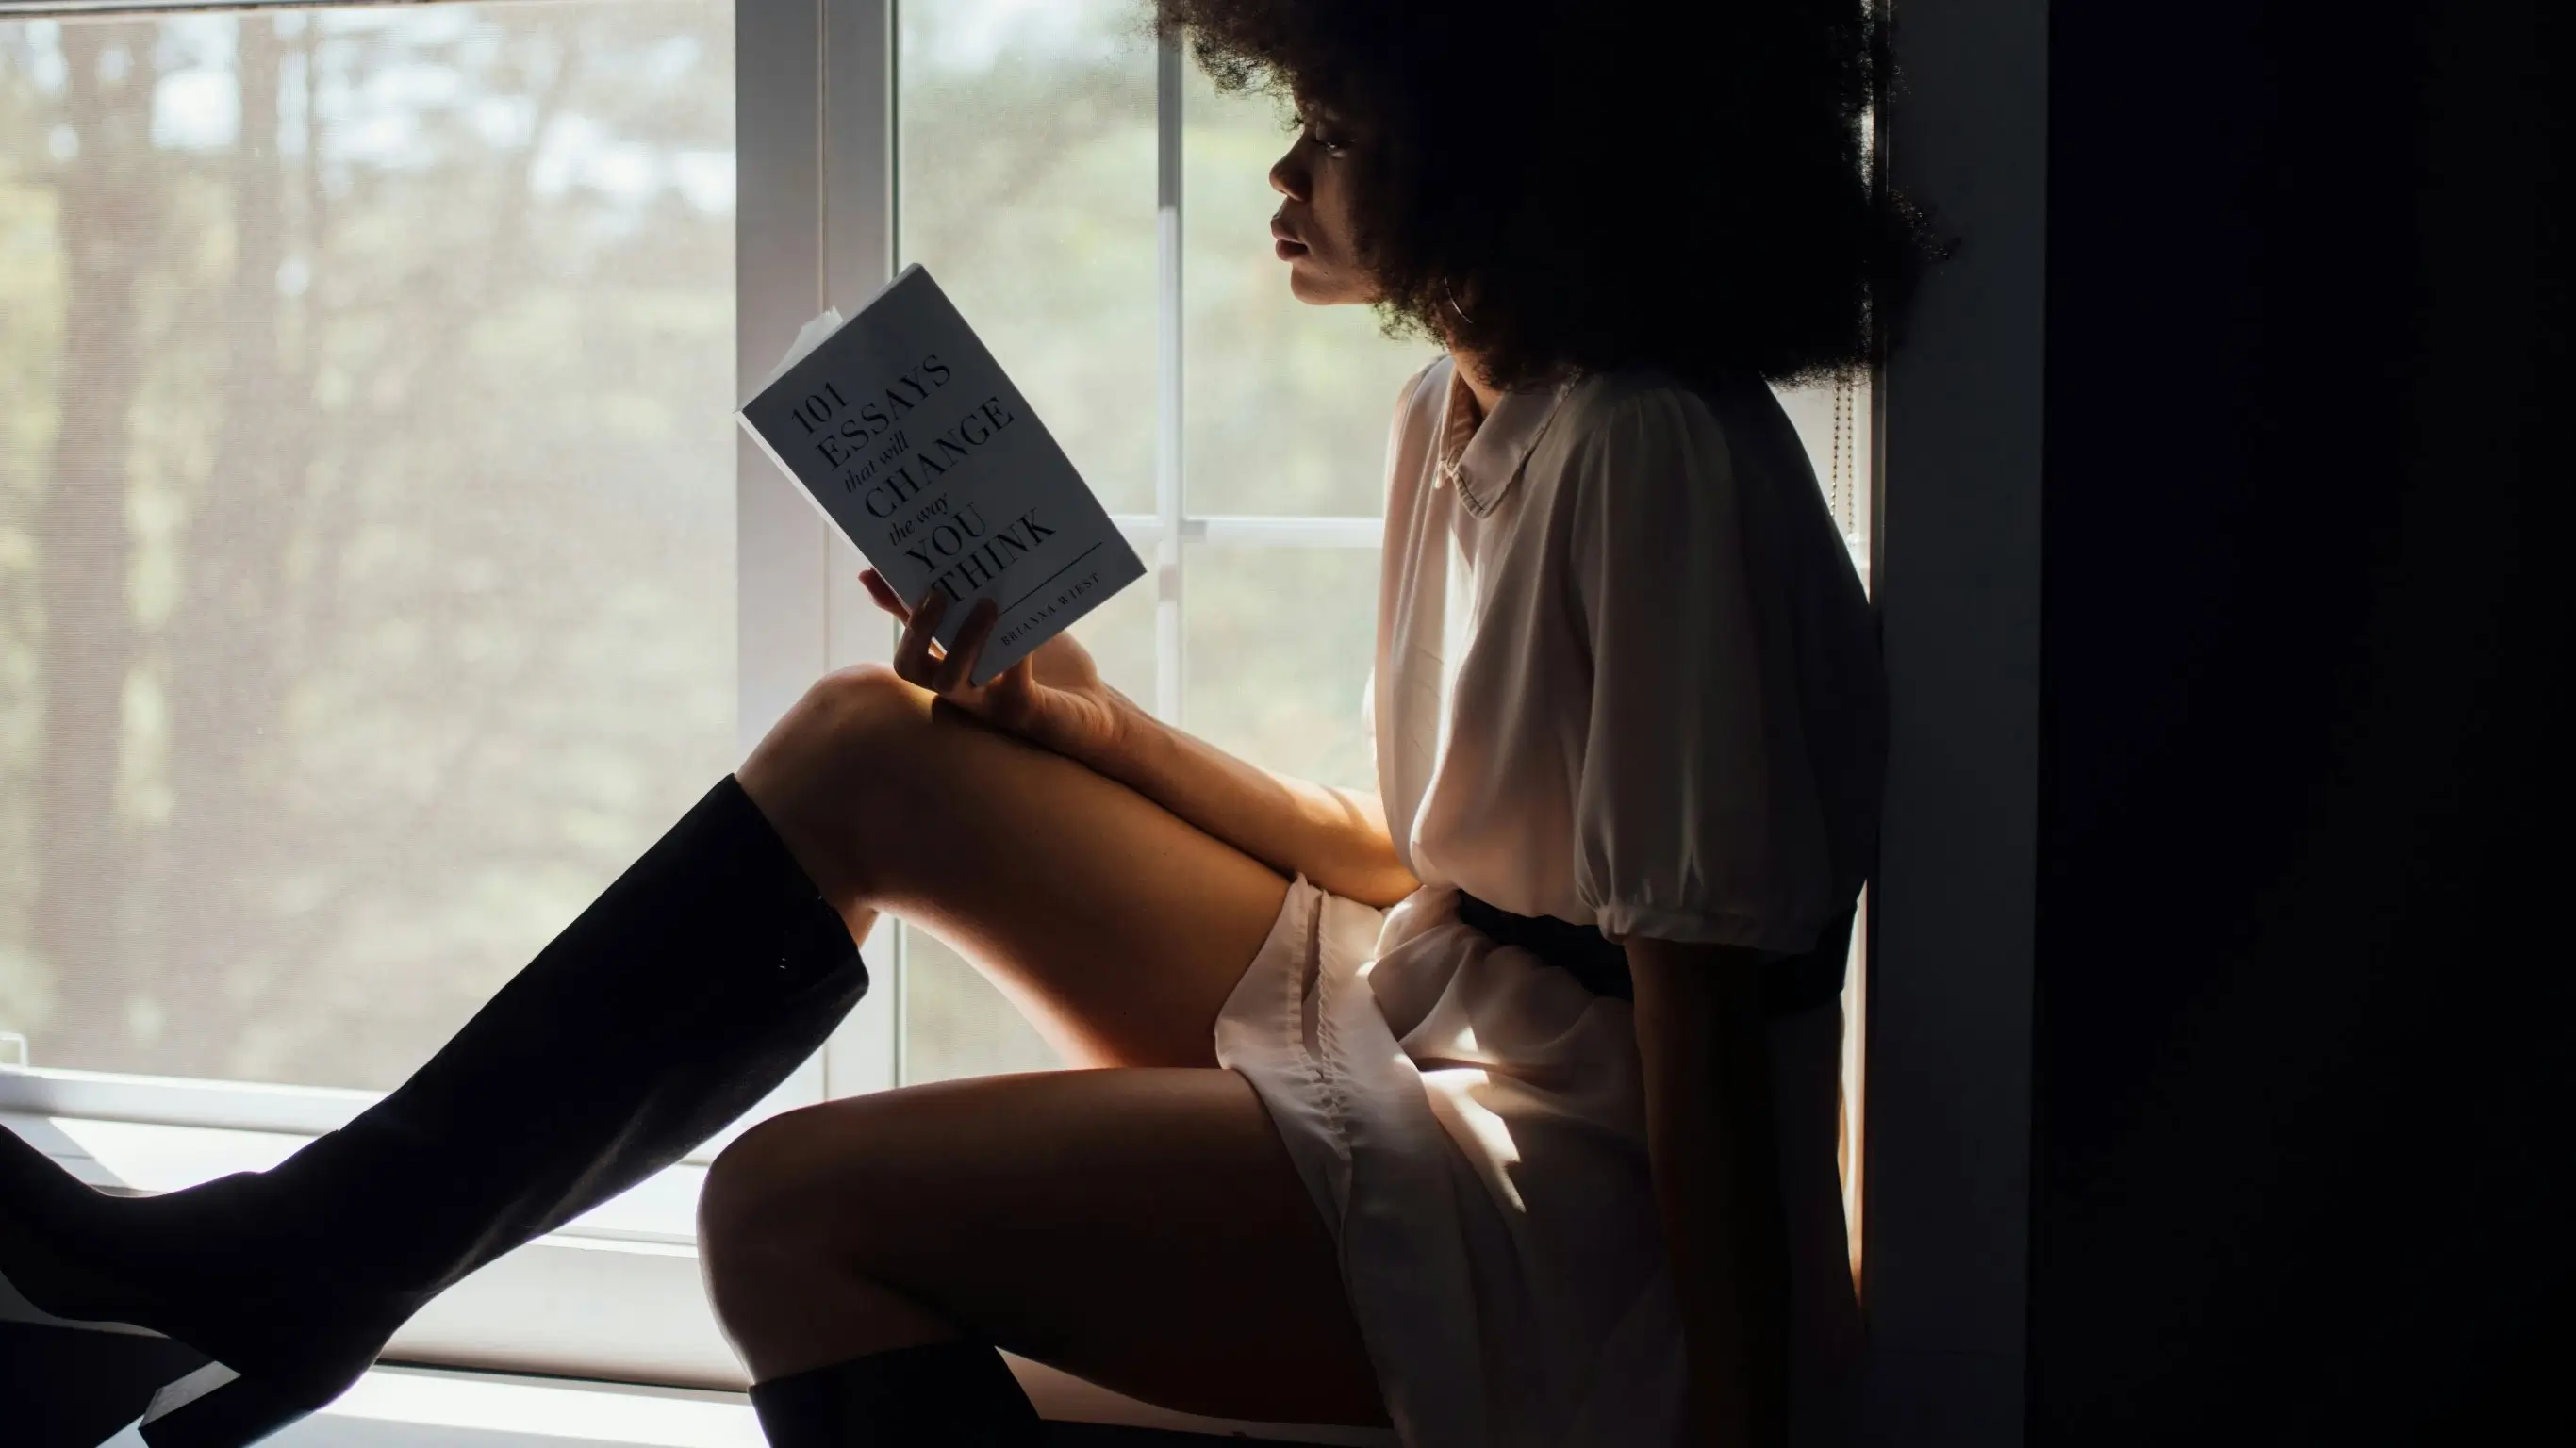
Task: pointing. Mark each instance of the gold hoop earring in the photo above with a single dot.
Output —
(1451, 298)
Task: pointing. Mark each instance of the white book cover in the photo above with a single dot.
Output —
(904, 430)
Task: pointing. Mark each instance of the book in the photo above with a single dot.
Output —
(902, 428)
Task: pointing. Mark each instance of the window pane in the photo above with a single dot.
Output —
(1280, 642)
(1027, 175)
(1120, 637)
(366, 512)
(955, 1022)
(1027, 187)
(1832, 419)
(1287, 404)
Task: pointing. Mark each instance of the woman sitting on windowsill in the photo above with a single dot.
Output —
(1500, 1107)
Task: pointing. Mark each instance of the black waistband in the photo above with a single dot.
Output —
(1799, 983)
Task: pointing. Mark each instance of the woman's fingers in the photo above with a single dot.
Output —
(1011, 690)
(1003, 691)
(884, 594)
(950, 669)
(956, 669)
(912, 661)
(1014, 683)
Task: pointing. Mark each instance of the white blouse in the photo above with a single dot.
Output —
(1626, 674)
(1626, 677)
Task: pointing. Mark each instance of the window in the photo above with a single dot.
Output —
(369, 585)
(1102, 215)
(368, 473)
(380, 569)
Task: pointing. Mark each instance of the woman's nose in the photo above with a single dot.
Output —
(1287, 177)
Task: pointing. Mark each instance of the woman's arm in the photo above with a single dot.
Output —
(1336, 837)
(1702, 1043)
(1055, 697)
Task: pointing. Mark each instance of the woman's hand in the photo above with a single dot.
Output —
(1053, 697)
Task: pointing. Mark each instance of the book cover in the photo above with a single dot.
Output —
(909, 436)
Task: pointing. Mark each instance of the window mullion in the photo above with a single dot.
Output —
(852, 199)
(1168, 546)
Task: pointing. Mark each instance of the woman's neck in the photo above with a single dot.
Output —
(1471, 370)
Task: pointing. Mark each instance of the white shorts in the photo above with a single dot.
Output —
(1471, 1126)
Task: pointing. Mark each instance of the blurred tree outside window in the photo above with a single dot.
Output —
(366, 506)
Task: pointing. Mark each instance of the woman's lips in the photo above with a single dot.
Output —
(1287, 250)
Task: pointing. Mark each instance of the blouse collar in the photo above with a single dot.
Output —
(1483, 459)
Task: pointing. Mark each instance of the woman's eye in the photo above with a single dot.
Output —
(1325, 140)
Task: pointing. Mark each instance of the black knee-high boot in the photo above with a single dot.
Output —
(684, 994)
(946, 1395)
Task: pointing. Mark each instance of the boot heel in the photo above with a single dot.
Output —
(215, 1407)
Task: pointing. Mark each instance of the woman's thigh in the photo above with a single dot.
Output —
(1116, 927)
(1142, 1229)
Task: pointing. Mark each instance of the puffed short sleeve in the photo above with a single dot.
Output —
(1696, 814)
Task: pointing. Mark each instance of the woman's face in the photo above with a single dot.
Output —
(1313, 230)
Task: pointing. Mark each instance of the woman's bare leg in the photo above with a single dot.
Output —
(1142, 1229)
(1116, 927)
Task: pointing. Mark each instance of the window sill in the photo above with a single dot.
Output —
(295, 1111)
(145, 1156)
(615, 1296)
(427, 1408)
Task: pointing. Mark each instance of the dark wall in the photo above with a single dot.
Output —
(2303, 1031)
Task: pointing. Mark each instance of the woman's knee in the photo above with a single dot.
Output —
(781, 1227)
(760, 1215)
(841, 731)
(844, 758)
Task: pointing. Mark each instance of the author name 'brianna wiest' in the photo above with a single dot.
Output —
(910, 437)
